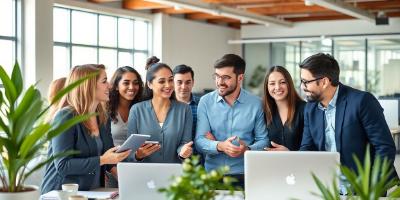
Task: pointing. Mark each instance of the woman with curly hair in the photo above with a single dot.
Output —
(126, 90)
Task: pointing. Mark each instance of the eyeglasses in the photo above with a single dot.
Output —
(305, 82)
(223, 78)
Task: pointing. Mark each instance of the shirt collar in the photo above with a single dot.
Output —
(240, 99)
(193, 100)
(332, 103)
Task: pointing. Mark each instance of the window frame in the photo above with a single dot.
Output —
(118, 49)
(16, 34)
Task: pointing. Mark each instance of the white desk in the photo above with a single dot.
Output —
(53, 194)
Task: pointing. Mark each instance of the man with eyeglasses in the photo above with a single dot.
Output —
(230, 120)
(338, 118)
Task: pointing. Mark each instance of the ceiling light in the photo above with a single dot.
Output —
(308, 3)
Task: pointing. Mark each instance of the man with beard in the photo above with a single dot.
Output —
(230, 120)
(339, 118)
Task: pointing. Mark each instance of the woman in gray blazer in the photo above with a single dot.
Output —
(92, 138)
(166, 120)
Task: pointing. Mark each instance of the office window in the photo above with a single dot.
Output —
(82, 37)
(350, 55)
(8, 34)
(371, 65)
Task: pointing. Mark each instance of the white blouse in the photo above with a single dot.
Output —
(119, 130)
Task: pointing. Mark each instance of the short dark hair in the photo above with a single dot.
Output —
(322, 65)
(183, 69)
(231, 60)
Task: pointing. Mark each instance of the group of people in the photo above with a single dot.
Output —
(220, 126)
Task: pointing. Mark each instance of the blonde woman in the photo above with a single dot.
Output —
(91, 138)
(55, 86)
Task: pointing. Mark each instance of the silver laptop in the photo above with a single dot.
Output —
(287, 175)
(142, 180)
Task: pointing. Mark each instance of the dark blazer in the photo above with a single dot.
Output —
(359, 121)
(79, 168)
(287, 135)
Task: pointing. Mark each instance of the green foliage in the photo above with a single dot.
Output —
(370, 183)
(196, 184)
(257, 77)
(23, 132)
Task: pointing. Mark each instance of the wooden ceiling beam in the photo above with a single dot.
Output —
(172, 11)
(202, 16)
(224, 20)
(319, 18)
(141, 5)
(288, 10)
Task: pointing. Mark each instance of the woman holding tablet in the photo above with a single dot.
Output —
(126, 90)
(163, 118)
(92, 138)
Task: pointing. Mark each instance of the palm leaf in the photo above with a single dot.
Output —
(59, 128)
(26, 101)
(9, 88)
(16, 78)
(33, 138)
(51, 159)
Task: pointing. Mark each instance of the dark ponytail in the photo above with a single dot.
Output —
(152, 67)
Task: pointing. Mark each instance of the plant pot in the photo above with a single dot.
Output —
(33, 194)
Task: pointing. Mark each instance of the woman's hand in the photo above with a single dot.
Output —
(186, 150)
(111, 157)
(146, 150)
(276, 147)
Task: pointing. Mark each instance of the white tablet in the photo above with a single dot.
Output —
(133, 142)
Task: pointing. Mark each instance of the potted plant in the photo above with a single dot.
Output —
(196, 184)
(256, 79)
(370, 183)
(23, 133)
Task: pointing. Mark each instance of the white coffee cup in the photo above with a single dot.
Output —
(77, 197)
(63, 195)
(71, 188)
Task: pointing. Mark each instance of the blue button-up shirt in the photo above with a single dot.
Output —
(245, 119)
(330, 117)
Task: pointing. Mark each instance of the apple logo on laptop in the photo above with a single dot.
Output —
(151, 184)
(291, 179)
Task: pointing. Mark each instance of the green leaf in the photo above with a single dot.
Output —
(33, 138)
(16, 78)
(9, 87)
(59, 128)
(25, 123)
(51, 159)
(26, 101)
(71, 86)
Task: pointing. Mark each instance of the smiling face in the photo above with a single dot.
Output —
(277, 86)
(162, 84)
(183, 85)
(102, 87)
(313, 90)
(227, 81)
(128, 86)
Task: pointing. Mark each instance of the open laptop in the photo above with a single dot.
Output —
(142, 180)
(287, 175)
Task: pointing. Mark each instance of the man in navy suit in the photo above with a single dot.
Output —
(339, 118)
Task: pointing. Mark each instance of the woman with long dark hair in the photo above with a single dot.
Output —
(126, 90)
(166, 120)
(284, 110)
